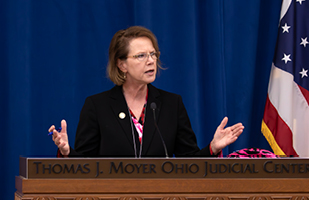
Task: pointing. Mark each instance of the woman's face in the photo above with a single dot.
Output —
(139, 72)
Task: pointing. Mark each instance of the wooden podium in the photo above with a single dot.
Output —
(156, 179)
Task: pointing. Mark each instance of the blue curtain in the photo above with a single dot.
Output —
(53, 55)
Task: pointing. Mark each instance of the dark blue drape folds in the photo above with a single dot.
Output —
(53, 54)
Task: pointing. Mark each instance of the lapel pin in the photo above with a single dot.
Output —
(122, 115)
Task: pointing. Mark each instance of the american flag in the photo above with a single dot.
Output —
(285, 123)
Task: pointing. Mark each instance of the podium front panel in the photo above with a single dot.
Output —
(157, 178)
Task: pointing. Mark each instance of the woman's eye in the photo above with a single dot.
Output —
(142, 55)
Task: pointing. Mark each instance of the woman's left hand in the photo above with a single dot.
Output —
(225, 136)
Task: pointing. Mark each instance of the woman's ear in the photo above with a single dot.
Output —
(121, 65)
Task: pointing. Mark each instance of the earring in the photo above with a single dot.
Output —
(124, 75)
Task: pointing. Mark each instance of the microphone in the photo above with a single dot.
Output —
(153, 106)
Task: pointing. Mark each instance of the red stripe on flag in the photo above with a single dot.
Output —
(280, 130)
(305, 93)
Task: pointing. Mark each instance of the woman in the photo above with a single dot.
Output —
(120, 122)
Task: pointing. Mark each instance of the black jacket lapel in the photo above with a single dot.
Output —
(121, 112)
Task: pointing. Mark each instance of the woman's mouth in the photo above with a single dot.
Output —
(150, 71)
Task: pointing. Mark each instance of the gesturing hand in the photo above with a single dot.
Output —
(225, 136)
(61, 138)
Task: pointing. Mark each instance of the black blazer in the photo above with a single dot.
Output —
(102, 133)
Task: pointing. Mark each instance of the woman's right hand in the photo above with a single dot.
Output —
(61, 138)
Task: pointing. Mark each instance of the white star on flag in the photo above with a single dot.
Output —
(286, 58)
(300, 1)
(303, 73)
(304, 42)
(285, 28)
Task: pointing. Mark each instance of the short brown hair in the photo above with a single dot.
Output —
(119, 49)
